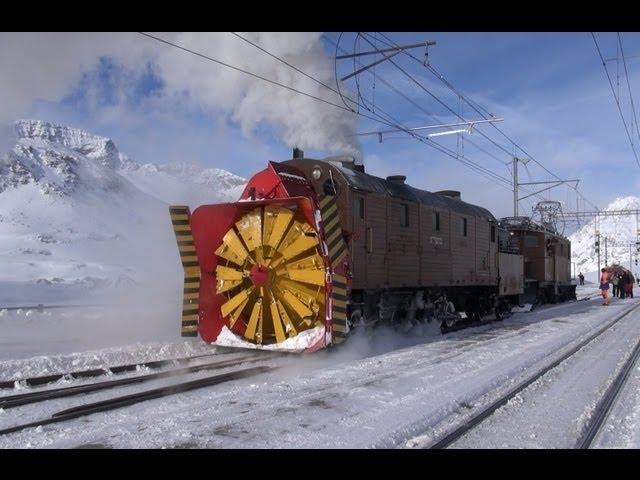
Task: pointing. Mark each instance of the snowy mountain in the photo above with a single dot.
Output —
(184, 183)
(620, 232)
(74, 211)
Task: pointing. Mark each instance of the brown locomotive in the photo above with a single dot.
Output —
(315, 247)
(547, 261)
(424, 253)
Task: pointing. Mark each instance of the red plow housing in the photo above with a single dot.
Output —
(261, 266)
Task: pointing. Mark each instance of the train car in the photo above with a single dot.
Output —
(316, 248)
(547, 261)
(413, 252)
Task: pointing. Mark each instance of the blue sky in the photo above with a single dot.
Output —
(550, 88)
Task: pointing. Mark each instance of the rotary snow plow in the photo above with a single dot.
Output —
(259, 267)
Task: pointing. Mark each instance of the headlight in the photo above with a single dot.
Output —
(316, 173)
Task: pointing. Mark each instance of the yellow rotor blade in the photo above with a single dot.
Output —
(227, 278)
(250, 228)
(226, 285)
(296, 304)
(275, 318)
(235, 301)
(289, 329)
(232, 249)
(256, 314)
(315, 277)
(276, 223)
(309, 295)
(312, 262)
(235, 315)
(296, 242)
(228, 273)
(298, 322)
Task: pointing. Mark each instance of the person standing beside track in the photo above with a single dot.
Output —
(622, 284)
(628, 287)
(605, 277)
(615, 280)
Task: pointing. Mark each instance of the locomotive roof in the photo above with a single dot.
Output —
(370, 183)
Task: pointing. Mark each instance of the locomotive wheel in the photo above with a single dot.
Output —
(273, 276)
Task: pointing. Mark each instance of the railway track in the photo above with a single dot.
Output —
(119, 369)
(41, 306)
(608, 400)
(12, 401)
(97, 372)
(599, 415)
(127, 400)
(249, 356)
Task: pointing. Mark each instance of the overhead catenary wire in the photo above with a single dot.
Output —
(626, 74)
(450, 109)
(475, 106)
(421, 108)
(246, 72)
(389, 119)
(436, 98)
(398, 92)
(615, 97)
(260, 77)
(280, 59)
(377, 117)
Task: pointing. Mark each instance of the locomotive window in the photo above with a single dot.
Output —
(404, 215)
(493, 234)
(464, 227)
(358, 208)
(329, 187)
(436, 221)
(531, 241)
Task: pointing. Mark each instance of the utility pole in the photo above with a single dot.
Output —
(637, 239)
(515, 186)
(606, 256)
(597, 237)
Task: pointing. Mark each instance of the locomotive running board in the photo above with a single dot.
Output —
(180, 218)
(337, 249)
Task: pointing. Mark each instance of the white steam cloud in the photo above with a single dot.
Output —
(47, 66)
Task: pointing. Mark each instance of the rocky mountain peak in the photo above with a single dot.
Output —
(100, 149)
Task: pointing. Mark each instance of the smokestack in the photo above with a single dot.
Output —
(297, 153)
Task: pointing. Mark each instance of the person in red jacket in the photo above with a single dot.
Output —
(605, 278)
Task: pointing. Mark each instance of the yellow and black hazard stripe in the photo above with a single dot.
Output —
(180, 216)
(332, 229)
(339, 308)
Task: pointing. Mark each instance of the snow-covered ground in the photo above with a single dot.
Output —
(553, 411)
(384, 388)
(622, 428)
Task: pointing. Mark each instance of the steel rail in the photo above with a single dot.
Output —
(475, 420)
(47, 307)
(96, 372)
(601, 412)
(13, 401)
(126, 400)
